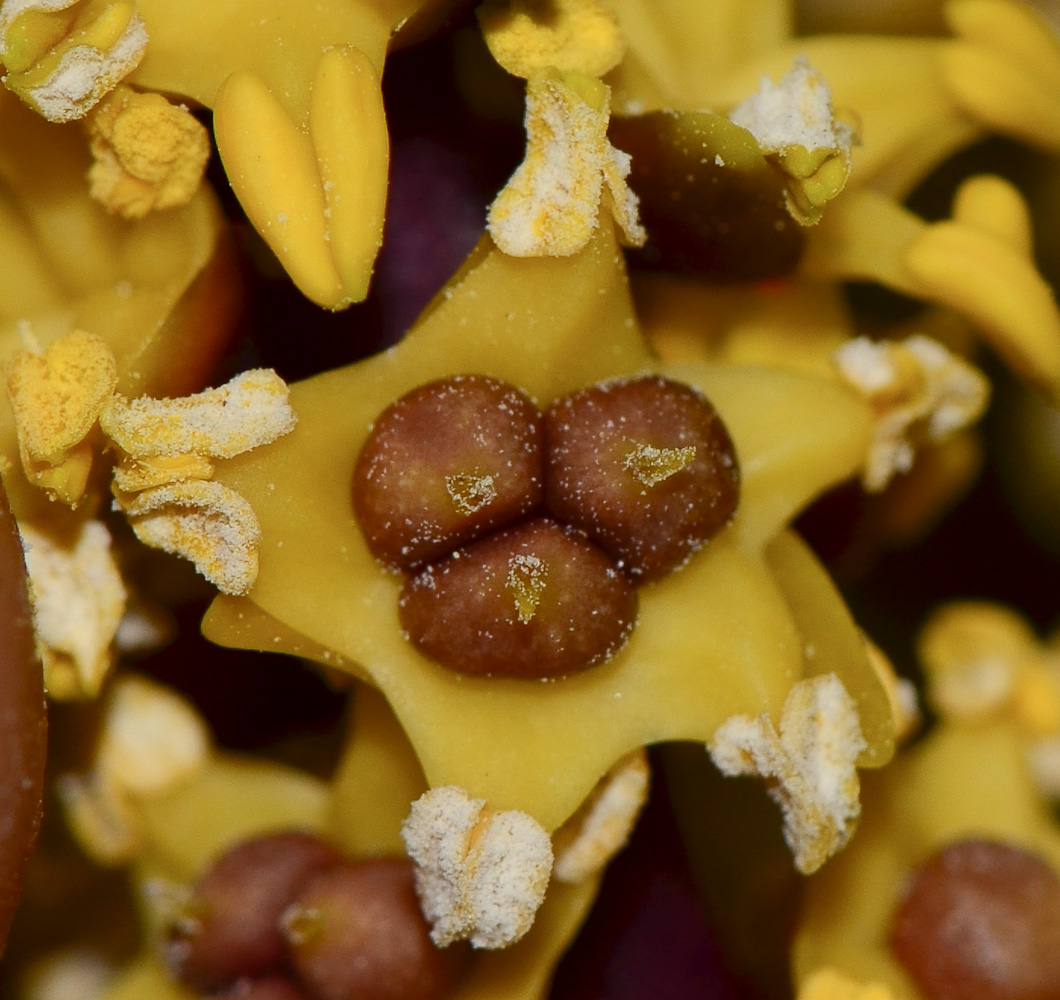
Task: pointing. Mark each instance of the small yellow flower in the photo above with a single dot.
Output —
(133, 297)
(969, 778)
(181, 818)
(721, 636)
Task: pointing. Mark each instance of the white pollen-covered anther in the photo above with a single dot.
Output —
(809, 763)
(481, 873)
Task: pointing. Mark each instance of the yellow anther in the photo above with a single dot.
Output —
(551, 204)
(149, 154)
(318, 199)
(132, 475)
(796, 127)
(918, 389)
(57, 397)
(809, 759)
(526, 36)
(162, 483)
(347, 124)
(205, 522)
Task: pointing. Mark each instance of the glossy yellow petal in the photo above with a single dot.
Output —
(232, 799)
(979, 268)
(678, 49)
(270, 164)
(298, 119)
(315, 191)
(196, 47)
(375, 781)
(1003, 95)
(994, 206)
(863, 237)
(348, 127)
(832, 642)
(919, 392)
(782, 473)
(998, 288)
(794, 324)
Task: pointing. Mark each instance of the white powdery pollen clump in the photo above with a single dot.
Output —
(810, 763)
(795, 111)
(78, 600)
(918, 389)
(551, 204)
(80, 67)
(602, 825)
(481, 873)
(163, 482)
(247, 411)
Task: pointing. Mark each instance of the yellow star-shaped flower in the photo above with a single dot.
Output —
(916, 101)
(717, 637)
(964, 781)
(230, 798)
